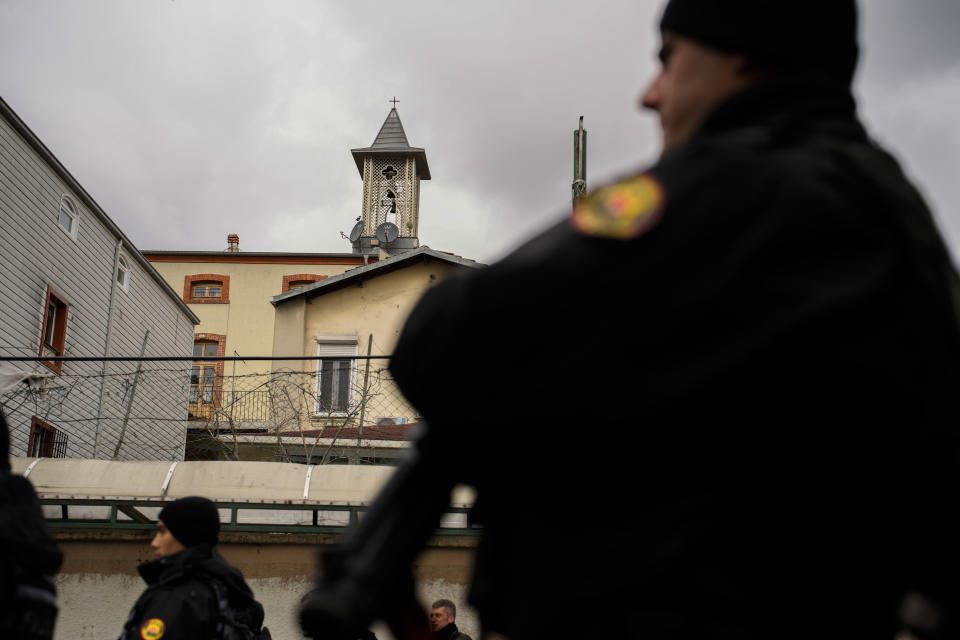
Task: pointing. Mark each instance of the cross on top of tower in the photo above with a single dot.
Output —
(394, 101)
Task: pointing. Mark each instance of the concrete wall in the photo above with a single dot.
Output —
(98, 583)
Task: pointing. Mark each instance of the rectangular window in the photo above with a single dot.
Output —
(334, 392)
(207, 291)
(206, 288)
(336, 375)
(53, 336)
(46, 441)
(48, 330)
(66, 221)
(203, 377)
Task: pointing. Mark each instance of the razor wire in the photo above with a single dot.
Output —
(309, 412)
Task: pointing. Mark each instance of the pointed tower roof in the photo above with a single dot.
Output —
(391, 133)
(392, 140)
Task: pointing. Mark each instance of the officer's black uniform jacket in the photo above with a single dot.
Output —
(29, 557)
(180, 597)
(736, 424)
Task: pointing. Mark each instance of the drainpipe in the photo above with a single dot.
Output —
(133, 392)
(108, 339)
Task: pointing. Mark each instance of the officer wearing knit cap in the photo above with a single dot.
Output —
(188, 580)
(192, 521)
(736, 417)
(793, 36)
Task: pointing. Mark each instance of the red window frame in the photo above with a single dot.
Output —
(215, 279)
(196, 409)
(46, 441)
(54, 329)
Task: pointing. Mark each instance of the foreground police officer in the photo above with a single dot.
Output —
(29, 557)
(192, 592)
(725, 387)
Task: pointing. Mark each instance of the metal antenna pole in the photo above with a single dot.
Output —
(363, 398)
(579, 162)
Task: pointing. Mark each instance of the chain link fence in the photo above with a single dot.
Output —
(315, 411)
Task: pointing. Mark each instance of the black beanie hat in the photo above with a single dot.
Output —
(785, 35)
(192, 521)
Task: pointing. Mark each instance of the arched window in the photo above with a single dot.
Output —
(388, 207)
(123, 273)
(68, 217)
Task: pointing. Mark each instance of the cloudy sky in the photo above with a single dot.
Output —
(191, 119)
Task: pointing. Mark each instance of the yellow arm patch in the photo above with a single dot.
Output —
(152, 629)
(622, 211)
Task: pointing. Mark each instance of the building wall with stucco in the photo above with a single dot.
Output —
(377, 306)
(244, 315)
(357, 302)
(370, 310)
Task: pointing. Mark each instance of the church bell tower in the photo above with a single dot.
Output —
(391, 171)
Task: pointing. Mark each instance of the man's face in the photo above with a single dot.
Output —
(693, 81)
(164, 544)
(439, 618)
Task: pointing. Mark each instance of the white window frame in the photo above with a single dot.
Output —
(337, 346)
(72, 212)
(123, 266)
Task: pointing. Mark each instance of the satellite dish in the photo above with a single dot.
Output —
(388, 232)
(356, 232)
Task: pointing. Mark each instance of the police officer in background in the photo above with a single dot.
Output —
(192, 592)
(725, 387)
(443, 621)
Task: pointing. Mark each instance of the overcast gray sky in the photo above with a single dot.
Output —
(188, 120)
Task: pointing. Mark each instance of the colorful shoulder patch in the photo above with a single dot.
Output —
(152, 629)
(623, 210)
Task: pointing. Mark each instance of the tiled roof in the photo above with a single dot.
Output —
(357, 274)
